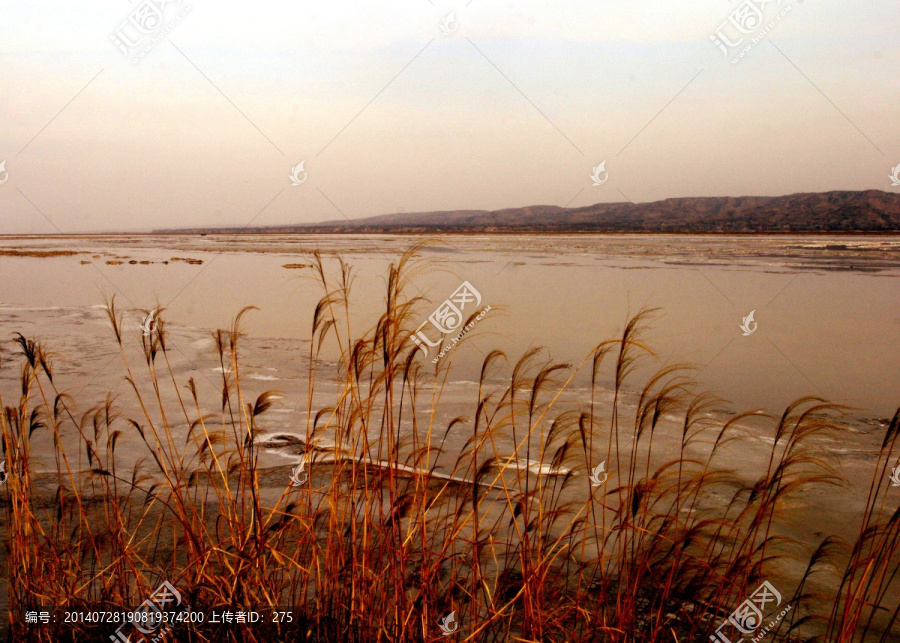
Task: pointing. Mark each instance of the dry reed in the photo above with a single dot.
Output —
(375, 546)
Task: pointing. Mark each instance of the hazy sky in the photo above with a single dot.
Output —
(514, 106)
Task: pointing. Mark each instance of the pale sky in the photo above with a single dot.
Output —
(513, 107)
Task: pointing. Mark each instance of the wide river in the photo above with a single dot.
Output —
(825, 309)
(826, 322)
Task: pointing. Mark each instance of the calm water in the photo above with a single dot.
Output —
(826, 308)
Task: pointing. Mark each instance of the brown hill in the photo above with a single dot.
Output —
(844, 211)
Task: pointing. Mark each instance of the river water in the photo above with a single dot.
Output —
(825, 309)
(826, 322)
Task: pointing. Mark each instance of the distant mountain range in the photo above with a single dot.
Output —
(871, 211)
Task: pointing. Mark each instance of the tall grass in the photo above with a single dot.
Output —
(377, 545)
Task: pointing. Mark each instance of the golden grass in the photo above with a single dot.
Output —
(374, 552)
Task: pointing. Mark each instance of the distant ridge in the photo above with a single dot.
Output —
(870, 211)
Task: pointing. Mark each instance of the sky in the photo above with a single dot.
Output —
(202, 111)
